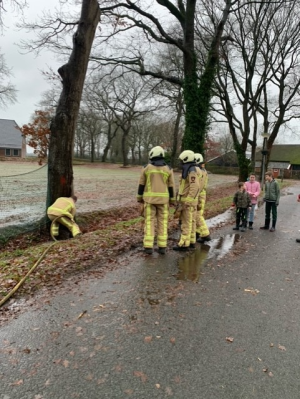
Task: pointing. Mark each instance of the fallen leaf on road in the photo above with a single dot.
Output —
(96, 309)
(157, 386)
(141, 375)
(172, 340)
(281, 347)
(81, 314)
(148, 339)
(251, 290)
(19, 382)
(229, 339)
(129, 391)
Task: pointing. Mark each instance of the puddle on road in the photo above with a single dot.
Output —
(191, 265)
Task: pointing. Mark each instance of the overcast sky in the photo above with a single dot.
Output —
(26, 68)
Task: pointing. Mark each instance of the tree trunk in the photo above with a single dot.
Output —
(60, 170)
(124, 148)
(179, 107)
(92, 150)
(197, 99)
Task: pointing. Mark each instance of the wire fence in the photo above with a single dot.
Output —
(22, 202)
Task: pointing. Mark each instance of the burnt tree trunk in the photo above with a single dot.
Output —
(60, 169)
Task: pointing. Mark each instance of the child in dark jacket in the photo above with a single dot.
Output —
(242, 202)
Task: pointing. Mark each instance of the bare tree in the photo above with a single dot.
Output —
(89, 126)
(127, 98)
(258, 79)
(197, 89)
(15, 5)
(7, 89)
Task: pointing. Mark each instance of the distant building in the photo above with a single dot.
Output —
(284, 160)
(12, 142)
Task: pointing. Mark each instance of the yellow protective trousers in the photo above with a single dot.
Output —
(67, 222)
(201, 226)
(188, 226)
(156, 214)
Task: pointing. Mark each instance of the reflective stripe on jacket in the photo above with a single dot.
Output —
(189, 187)
(156, 185)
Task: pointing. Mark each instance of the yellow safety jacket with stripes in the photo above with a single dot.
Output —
(205, 182)
(189, 187)
(63, 206)
(156, 184)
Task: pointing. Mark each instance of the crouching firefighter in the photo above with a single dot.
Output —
(156, 191)
(189, 187)
(62, 212)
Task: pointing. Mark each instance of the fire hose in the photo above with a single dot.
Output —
(20, 283)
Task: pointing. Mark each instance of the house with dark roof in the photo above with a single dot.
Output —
(12, 142)
(284, 160)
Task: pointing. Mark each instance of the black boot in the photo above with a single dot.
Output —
(236, 228)
(161, 250)
(204, 239)
(250, 225)
(178, 248)
(266, 226)
(148, 251)
(197, 235)
(273, 225)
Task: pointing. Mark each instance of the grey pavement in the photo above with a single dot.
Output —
(220, 322)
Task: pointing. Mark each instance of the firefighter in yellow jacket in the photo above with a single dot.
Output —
(188, 198)
(64, 208)
(202, 231)
(156, 191)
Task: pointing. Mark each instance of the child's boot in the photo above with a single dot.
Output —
(273, 225)
(266, 226)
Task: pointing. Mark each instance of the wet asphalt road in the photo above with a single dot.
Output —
(212, 324)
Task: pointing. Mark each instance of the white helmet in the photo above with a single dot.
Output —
(157, 151)
(198, 158)
(187, 156)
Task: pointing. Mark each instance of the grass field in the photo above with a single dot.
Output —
(98, 187)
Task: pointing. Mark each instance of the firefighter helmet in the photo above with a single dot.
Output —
(187, 156)
(157, 151)
(198, 158)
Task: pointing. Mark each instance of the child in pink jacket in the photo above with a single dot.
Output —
(253, 189)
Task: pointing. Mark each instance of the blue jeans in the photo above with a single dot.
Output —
(250, 213)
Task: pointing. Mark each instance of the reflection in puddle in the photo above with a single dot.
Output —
(190, 266)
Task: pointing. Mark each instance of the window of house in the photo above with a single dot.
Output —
(7, 152)
(16, 153)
